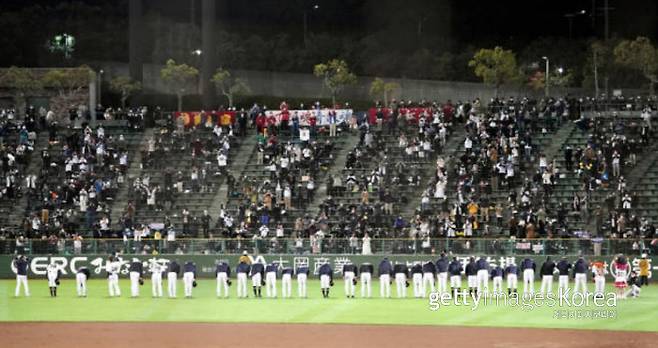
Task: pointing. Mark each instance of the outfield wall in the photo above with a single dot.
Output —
(206, 263)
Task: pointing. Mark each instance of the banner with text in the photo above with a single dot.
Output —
(208, 119)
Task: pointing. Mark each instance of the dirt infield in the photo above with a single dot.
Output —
(199, 335)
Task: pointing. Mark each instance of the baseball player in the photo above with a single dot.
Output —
(189, 278)
(242, 271)
(563, 268)
(113, 267)
(497, 280)
(634, 284)
(257, 275)
(482, 267)
(326, 279)
(599, 272)
(349, 276)
(471, 275)
(429, 272)
(81, 278)
(528, 268)
(442, 273)
(512, 273)
(156, 278)
(385, 271)
(286, 282)
(417, 280)
(135, 271)
(270, 280)
(546, 271)
(366, 270)
(173, 270)
(53, 272)
(302, 276)
(455, 269)
(580, 276)
(21, 263)
(401, 274)
(223, 272)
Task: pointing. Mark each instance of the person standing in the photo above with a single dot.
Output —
(302, 277)
(189, 278)
(497, 280)
(270, 280)
(173, 270)
(644, 270)
(53, 272)
(326, 279)
(580, 276)
(286, 282)
(81, 278)
(563, 268)
(223, 272)
(242, 271)
(135, 272)
(482, 267)
(156, 278)
(429, 273)
(112, 268)
(21, 263)
(547, 270)
(599, 272)
(401, 274)
(385, 271)
(621, 272)
(366, 269)
(471, 275)
(350, 273)
(257, 275)
(442, 271)
(455, 269)
(417, 280)
(512, 274)
(528, 267)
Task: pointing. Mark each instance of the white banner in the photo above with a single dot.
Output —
(321, 116)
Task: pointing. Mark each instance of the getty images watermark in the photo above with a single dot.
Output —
(565, 304)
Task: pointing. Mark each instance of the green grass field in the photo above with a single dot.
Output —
(632, 314)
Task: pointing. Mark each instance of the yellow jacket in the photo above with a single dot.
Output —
(644, 267)
(245, 259)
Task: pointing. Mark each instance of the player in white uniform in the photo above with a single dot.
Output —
(365, 270)
(81, 278)
(173, 269)
(286, 282)
(113, 267)
(156, 278)
(53, 272)
(599, 271)
(302, 276)
(349, 277)
(223, 272)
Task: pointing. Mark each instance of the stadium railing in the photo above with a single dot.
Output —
(380, 246)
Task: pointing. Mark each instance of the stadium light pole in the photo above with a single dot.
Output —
(570, 17)
(314, 7)
(546, 76)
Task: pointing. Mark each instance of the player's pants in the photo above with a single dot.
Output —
(497, 285)
(428, 282)
(400, 285)
(472, 281)
(366, 286)
(52, 280)
(22, 280)
(546, 284)
(442, 282)
(417, 280)
(222, 284)
(528, 281)
(483, 281)
(172, 278)
(113, 284)
(580, 281)
(242, 284)
(350, 288)
(599, 285)
(286, 285)
(512, 281)
(301, 285)
(81, 284)
(385, 285)
(634, 291)
(188, 280)
(563, 283)
(455, 282)
(270, 284)
(325, 281)
(134, 284)
(256, 279)
(156, 284)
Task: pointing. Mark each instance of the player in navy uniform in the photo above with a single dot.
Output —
(257, 275)
(223, 272)
(528, 268)
(580, 276)
(173, 269)
(547, 270)
(417, 280)
(563, 268)
(482, 267)
(135, 271)
(242, 271)
(471, 275)
(21, 263)
(81, 277)
(497, 280)
(455, 269)
(401, 274)
(189, 277)
(286, 282)
(442, 273)
(350, 273)
(385, 271)
(512, 274)
(429, 273)
(270, 280)
(366, 270)
(326, 279)
(302, 277)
